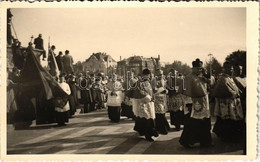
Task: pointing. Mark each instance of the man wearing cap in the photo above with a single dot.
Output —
(197, 127)
(67, 63)
(143, 107)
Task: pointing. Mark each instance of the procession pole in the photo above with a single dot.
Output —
(49, 43)
(14, 30)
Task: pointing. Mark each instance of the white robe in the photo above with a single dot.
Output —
(66, 88)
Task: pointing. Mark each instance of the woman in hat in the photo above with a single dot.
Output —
(114, 99)
(61, 104)
(230, 124)
(159, 89)
(197, 127)
(143, 107)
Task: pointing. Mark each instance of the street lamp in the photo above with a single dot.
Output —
(31, 38)
(210, 65)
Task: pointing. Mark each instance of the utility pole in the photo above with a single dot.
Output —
(210, 65)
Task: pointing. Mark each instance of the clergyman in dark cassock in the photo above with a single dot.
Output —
(127, 104)
(197, 127)
(230, 123)
(160, 102)
(86, 93)
(143, 107)
(73, 95)
(176, 104)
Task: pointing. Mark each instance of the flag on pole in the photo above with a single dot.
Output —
(54, 71)
(35, 78)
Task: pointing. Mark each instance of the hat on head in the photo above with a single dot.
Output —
(97, 79)
(159, 72)
(61, 76)
(101, 74)
(227, 64)
(172, 70)
(114, 75)
(146, 72)
(197, 63)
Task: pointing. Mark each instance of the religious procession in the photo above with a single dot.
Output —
(154, 101)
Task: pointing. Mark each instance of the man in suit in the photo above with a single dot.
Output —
(38, 42)
(59, 61)
(67, 63)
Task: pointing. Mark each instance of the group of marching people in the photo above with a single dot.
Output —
(100, 92)
(146, 99)
(187, 98)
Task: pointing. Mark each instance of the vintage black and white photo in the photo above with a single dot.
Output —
(128, 80)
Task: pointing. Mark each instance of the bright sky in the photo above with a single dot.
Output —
(182, 34)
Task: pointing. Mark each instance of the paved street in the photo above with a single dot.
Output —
(93, 133)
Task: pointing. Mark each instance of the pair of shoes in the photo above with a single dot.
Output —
(177, 128)
(115, 121)
(188, 146)
(206, 145)
(149, 138)
(61, 124)
(164, 132)
(156, 134)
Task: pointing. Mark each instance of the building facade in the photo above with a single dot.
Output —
(100, 63)
(137, 64)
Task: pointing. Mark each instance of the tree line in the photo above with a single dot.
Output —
(236, 58)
